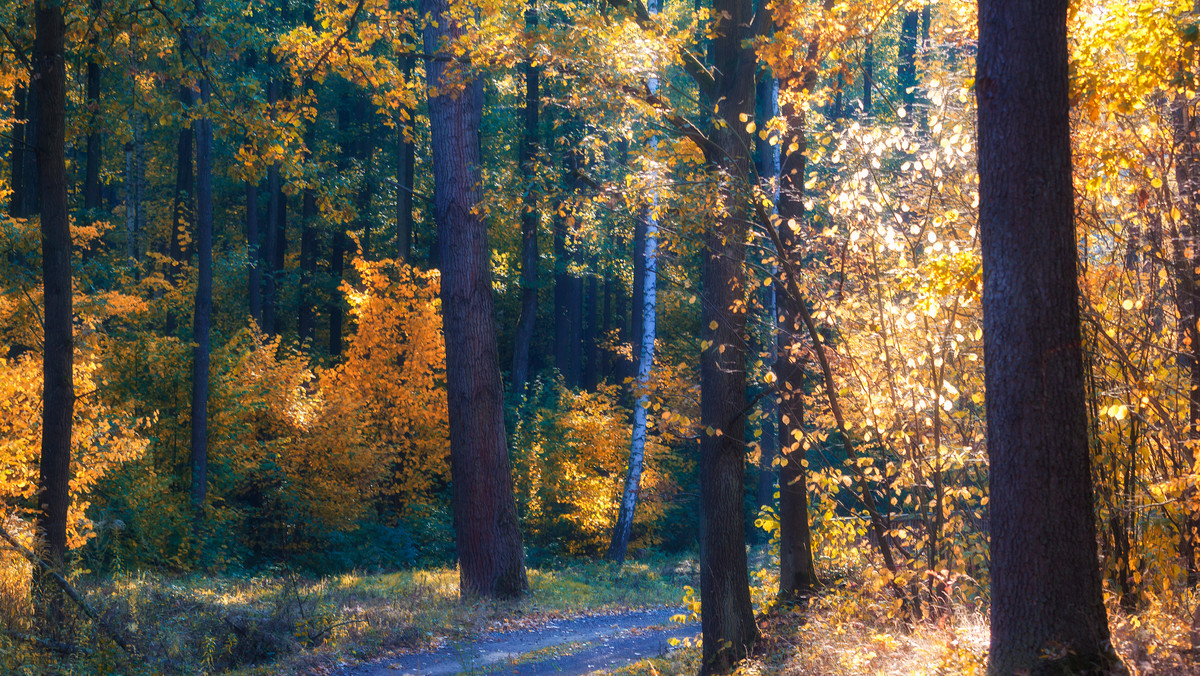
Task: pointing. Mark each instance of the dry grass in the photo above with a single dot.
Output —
(284, 622)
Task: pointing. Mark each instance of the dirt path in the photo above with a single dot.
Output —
(577, 646)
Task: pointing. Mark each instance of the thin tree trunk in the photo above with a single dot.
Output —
(202, 318)
(91, 181)
(566, 330)
(1187, 291)
(647, 309)
(16, 158)
(530, 220)
(58, 393)
(906, 66)
(487, 534)
(306, 314)
(868, 82)
(30, 175)
(182, 209)
(1047, 612)
(591, 332)
(253, 256)
(405, 166)
(271, 241)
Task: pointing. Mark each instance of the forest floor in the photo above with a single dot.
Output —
(284, 622)
(583, 617)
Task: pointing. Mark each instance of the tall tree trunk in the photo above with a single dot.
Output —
(253, 256)
(868, 82)
(91, 180)
(1047, 611)
(306, 314)
(648, 297)
(591, 333)
(202, 317)
(487, 534)
(337, 248)
(767, 166)
(16, 157)
(30, 174)
(270, 294)
(530, 219)
(906, 66)
(797, 571)
(566, 296)
(365, 152)
(727, 618)
(182, 207)
(1187, 290)
(405, 166)
(58, 387)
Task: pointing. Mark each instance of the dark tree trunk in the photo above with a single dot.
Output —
(337, 270)
(567, 339)
(271, 239)
(1047, 611)
(868, 82)
(606, 315)
(365, 153)
(406, 157)
(1187, 291)
(591, 332)
(182, 207)
(253, 257)
(16, 157)
(306, 315)
(530, 220)
(30, 175)
(202, 318)
(906, 66)
(797, 572)
(58, 393)
(91, 180)
(727, 618)
(487, 534)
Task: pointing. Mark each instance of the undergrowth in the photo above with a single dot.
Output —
(284, 622)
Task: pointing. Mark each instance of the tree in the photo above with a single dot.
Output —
(530, 219)
(1047, 611)
(58, 385)
(202, 313)
(727, 619)
(487, 535)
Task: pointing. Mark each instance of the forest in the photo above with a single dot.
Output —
(836, 336)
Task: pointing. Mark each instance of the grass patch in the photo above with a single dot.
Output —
(281, 622)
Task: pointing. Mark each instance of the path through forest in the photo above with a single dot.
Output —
(576, 646)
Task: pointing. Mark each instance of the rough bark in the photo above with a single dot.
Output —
(797, 572)
(487, 534)
(727, 619)
(530, 219)
(1047, 614)
(202, 315)
(868, 66)
(58, 393)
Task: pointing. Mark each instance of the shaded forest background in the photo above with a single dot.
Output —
(605, 184)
